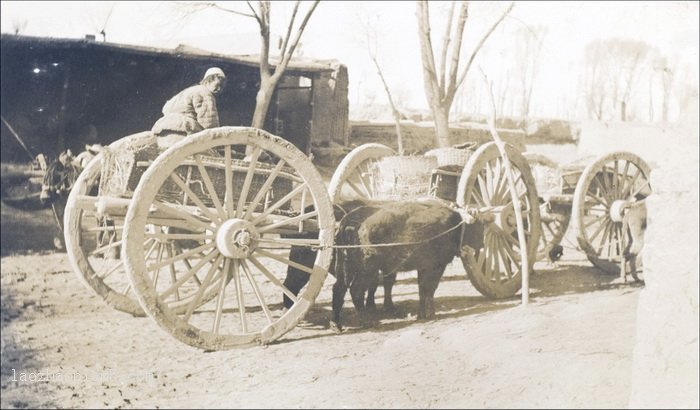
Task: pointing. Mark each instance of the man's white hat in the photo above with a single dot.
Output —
(214, 71)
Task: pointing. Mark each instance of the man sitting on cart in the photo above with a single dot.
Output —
(191, 110)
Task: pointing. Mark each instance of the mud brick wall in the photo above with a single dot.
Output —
(665, 367)
(421, 138)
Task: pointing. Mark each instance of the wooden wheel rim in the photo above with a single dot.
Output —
(354, 162)
(483, 268)
(73, 218)
(596, 192)
(136, 220)
(552, 231)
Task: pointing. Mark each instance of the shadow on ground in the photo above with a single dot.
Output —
(545, 284)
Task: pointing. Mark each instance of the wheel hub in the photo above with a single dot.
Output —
(505, 219)
(617, 210)
(237, 238)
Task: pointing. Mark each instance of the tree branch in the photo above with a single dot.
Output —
(429, 73)
(264, 22)
(288, 56)
(451, 88)
(289, 29)
(480, 44)
(445, 46)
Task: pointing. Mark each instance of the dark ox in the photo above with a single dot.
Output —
(425, 236)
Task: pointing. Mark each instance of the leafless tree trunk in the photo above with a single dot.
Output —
(528, 51)
(18, 25)
(613, 69)
(371, 42)
(268, 77)
(441, 82)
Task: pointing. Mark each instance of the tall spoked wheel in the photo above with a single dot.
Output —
(555, 216)
(495, 268)
(604, 187)
(236, 217)
(93, 240)
(353, 179)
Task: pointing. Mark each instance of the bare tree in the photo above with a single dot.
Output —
(372, 50)
(440, 81)
(100, 21)
(668, 72)
(528, 50)
(613, 69)
(269, 77)
(18, 25)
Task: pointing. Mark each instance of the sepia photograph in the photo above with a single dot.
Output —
(350, 204)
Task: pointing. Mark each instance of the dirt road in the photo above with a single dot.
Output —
(571, 347)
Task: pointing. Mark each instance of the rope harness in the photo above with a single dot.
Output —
(461, 225)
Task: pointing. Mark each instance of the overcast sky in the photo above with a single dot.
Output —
(335, 32)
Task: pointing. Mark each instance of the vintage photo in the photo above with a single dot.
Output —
(349, 204)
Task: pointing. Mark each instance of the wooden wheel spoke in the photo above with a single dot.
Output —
(285, 261)
(239, 295)
(175, 236)
(220, 297)
(248, 180)
(172, 210)
(509, 238)
(159, 259)
(515, 258)
(272, 278)
(595, 220)
(263, 190)
(102, 249)
(294, 192)
(601, 244)
(228, 180)
(363, 183)
(210, 189)
(638, 190)
(194, 198)
(628, 187)
(176, 249)
(173, 275)
(189, 274)
(203, 286)
(502, 189)
(112, 269)
(256, 290)
(483, 191)
(105, 228)
(288, 221)
(181, 256)
(504, 256)
(600, 228)
(615, 181)
(357, 190)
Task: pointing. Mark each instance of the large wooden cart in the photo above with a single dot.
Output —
(199, 237)
(593, 198)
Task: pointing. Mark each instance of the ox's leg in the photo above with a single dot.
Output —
(296, 279)
(428, 281)
(371, 290)
(389, 281)
(339, 290)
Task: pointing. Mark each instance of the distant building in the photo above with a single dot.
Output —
(64, 93)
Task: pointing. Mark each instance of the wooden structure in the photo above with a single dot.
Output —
(62, 93)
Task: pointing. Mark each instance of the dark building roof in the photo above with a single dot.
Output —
(300, 65)
(62, 93)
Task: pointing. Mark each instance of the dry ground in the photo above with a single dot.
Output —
(571, 347)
